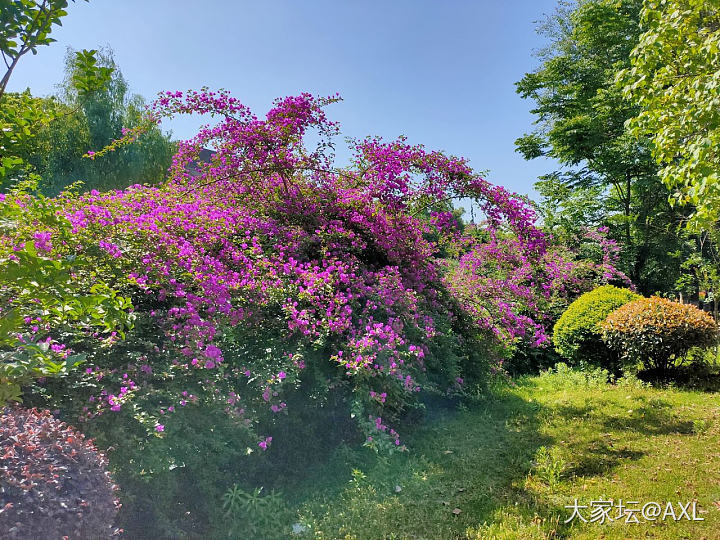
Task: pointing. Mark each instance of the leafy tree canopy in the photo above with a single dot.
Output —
(608, 177)
(675, 78)
(24, 26)
(90, 121)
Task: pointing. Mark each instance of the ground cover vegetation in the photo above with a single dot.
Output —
(534, 448)
(227, 329)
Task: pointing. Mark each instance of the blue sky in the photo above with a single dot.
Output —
(440, 72)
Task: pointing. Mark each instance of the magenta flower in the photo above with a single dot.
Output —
(42, 241)
(211, 351)
(112, 249)
(264, 443)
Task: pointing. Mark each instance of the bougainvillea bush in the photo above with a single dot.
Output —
(655, 332)
(586, 264)
(270, 288)
(53, 482)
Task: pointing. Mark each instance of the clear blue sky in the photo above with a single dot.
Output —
(440, 72)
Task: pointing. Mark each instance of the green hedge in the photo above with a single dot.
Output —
(576, 335)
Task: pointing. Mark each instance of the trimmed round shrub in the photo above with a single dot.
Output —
(576, 335)
(53, 482)
(654, 331)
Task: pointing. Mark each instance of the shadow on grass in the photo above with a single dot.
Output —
(468, 471)
(601, 452)
(572, 411)
(598, 459)
(649, 420)
(463, 469)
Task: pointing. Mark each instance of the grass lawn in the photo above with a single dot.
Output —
(509, 466)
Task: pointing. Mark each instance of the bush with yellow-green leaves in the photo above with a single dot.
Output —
(655, 331)
(576, 335)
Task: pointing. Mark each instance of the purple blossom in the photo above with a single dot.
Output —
(43, 241)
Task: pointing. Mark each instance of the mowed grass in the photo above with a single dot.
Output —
(508, 467)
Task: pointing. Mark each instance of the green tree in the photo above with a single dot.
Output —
(700, 278)
(24, 26)
(608, 176)
(675, 79)
(92, 121)
(21, 115)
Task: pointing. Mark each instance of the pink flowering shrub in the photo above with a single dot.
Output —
(269, 280)
(561, 275)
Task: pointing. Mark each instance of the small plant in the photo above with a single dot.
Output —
(357, 478)
(700, 427)
(254, 515)
(53, 481)
(549, 465)
(630, 380)
(582, 375)
(577, 336)
(656, 331)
